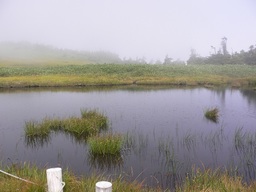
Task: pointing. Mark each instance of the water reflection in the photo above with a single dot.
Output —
(37, 141)
(245, 148)
(106, 162)
(250, 95)
(167, 133)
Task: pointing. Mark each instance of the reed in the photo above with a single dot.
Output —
(73, 183)
(199, 181)
(35, 129)
(212, 114)
(90, 124)
(214, 180)
(106, 145)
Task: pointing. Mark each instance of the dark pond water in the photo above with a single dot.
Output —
(166, 126)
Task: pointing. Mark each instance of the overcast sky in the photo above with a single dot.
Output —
(131, 28)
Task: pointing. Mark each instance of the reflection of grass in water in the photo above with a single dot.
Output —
(245, 147)
(167, 150)
(189, 141)
(245, 142)
(91, 123)
(107, 161)
(35, 142)
(137, 143)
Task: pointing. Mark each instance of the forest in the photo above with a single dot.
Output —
(27, 53)
(222, 56)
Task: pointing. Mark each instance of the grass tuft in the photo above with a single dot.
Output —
(217, 181)
(106, 145)
(212, 114)
(198, 181)
(90, 124)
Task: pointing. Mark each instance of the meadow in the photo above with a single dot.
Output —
(201, 180)
(63, 75)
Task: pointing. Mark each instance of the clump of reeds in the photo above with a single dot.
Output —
(212, 114)
(91, 123)
(217, 180)
(199, 180)
(35, 129)
(106, 145)
(72, 182)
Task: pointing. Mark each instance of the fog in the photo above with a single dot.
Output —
(131, 28)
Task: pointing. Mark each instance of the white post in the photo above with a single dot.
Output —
(54, 180)
(103, 186)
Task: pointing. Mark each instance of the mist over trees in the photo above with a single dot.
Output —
(36, 53)
(24, 52)
(222, 56)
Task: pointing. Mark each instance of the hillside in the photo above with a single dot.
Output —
(26, 53)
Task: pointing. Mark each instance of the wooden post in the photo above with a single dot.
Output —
(103, 186)
(54, 180)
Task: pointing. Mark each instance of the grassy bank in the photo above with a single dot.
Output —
(206, 180)
(115, 74)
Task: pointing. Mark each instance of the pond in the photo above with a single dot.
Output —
(167, 132)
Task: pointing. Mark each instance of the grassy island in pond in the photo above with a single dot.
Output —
(53, 75)
(91, 123)
(212, 114)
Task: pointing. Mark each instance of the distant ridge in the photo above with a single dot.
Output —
(24, 52)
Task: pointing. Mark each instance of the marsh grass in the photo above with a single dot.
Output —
(106, 145)
(35, 129)
(212, 114)
(124, 74)
(198, 181)
(214, 181)
(73, 183)
(24, 171)
(91, 123)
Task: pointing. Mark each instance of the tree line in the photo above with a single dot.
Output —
(222, 56)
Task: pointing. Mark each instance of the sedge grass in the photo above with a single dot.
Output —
(35, 129)
(117, 74)
(212, 114)
(72, 182)
(214, 181)
(90, 124)
(106, 145)
(199, 181)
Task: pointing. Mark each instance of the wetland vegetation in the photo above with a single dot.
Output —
(154, 152)
(90, 124)
(62, 75)
(105, 145)
(109, 150)
(212, 114)
(199, 180)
